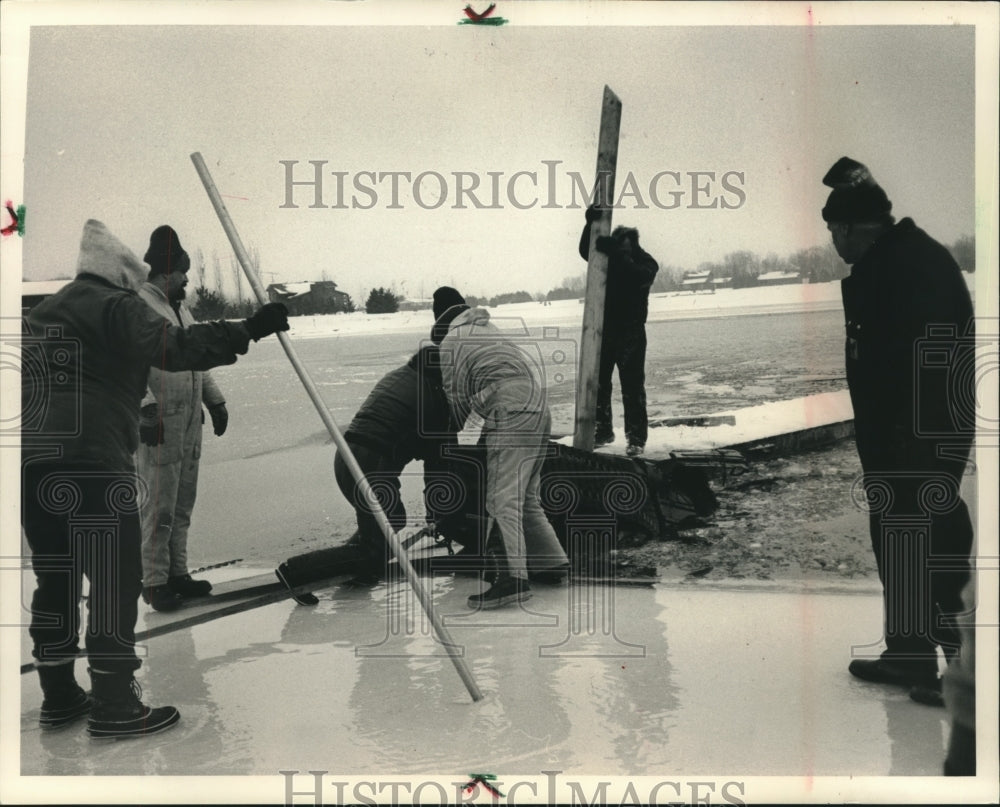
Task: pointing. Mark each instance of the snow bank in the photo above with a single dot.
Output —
(750, 424)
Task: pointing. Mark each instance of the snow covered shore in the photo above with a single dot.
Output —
(569, 313)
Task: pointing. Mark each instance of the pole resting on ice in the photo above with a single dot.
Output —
(345, 450)
(597, 275)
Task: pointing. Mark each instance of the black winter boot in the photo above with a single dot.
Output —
(119, 711)
(184, 585)
(162, 598)
(504, 591)
(64, 699)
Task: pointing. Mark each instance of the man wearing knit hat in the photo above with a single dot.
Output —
(88, 349)
(170, 435)
(912, 406)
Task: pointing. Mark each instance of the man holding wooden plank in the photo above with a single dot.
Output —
(631, 271)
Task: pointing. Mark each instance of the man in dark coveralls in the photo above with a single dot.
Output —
(631, 271)
(909, 323)
(405, 417)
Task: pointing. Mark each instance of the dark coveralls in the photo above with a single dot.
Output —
(626, 306)
(913, 395)
(86, 357)
(383, 440)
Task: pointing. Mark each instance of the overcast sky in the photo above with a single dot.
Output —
(113, 114)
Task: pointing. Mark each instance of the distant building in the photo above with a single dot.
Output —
(418, 304)
(309, 297)
(778, 278)
(697, 281)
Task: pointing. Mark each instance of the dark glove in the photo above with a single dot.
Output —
(593, 213)
(220, 418)
(150, 425)
(606, 244)
(268, 319)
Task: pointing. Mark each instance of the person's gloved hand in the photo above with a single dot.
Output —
(269, 318)
(150, 425)
(220, 418)
(593, 213)
(606, 244)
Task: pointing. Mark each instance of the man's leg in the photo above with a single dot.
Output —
(187, 493)
(632, 376)
(162, 483)
(55, 604)
(543, 547)
(509, 461)
(114, 568)
(55, 559)
(113, 565)
(604, 431)
(950, 569)
(382, 473)
(901, 542)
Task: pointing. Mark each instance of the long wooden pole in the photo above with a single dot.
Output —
(345, 450)
(597, 275)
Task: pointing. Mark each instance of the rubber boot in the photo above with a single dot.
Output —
(64, 699)
(118, 710)
(184, 585)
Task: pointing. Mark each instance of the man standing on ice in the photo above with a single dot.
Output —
(170, 436)
(631, 271)
(485, 373)
(86, 353)
(910, 355)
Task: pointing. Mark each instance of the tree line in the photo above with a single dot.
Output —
(740, 269)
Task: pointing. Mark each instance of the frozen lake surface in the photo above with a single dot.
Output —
(694, 366)
(613, 680)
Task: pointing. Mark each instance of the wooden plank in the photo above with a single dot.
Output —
(703, 421)
(235, 597)
(597, 275)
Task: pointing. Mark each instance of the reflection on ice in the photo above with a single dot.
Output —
(685, 679)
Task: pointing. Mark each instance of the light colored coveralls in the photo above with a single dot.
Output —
(486, 373)
(170, 470)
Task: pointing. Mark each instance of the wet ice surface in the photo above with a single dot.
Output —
(650, 680)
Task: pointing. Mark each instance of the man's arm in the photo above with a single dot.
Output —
(211, 395)
(585, 242)
(641, 268)
(143, 334)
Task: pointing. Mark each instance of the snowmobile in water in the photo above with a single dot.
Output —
(596, 502)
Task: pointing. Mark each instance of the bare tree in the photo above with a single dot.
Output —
(217, 271)
(199, 268)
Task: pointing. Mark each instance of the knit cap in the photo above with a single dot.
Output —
(856, 196)
(165, 253)
(444, 298)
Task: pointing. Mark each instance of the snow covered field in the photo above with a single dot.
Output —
(568, 313)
